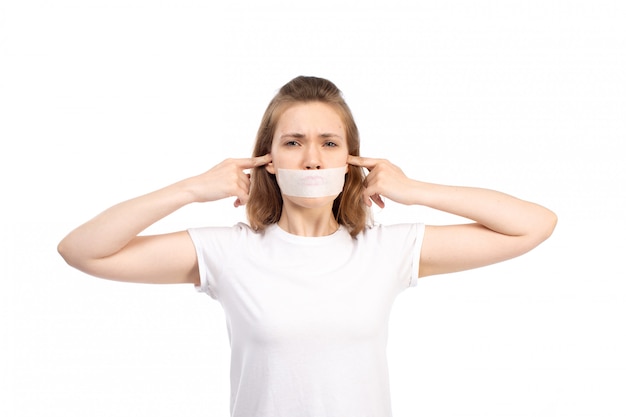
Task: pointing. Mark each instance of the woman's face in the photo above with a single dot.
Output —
(309, 136)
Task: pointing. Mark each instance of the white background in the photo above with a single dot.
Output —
(101, 101)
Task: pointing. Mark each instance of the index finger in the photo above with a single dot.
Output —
(360, 161)
(256, 161)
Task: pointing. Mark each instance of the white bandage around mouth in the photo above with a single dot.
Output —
(311, 183)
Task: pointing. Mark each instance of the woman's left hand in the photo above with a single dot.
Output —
(384, 180)
(503, 226)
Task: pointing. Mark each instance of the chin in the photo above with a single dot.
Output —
(312, 202)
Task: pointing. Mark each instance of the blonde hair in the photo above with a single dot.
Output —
(265, 204)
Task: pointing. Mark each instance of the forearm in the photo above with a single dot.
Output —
(494, 210)
(113, 229)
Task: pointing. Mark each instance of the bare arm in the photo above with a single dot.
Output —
(504, 226)
(109, 245)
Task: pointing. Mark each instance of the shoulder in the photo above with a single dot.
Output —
(392, 239)
(222, 234)
(393, 231)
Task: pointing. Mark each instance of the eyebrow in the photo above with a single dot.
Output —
(297, 135)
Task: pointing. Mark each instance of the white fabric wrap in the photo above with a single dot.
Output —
(311, 183)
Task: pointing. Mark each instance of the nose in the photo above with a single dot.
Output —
(312, 158)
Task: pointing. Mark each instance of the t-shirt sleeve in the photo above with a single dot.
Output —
(417, 251)
(403, 245)
(214, 247)
(399, 246)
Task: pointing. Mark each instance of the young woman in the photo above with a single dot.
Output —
(308, 285)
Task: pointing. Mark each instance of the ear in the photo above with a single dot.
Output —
(269, 167)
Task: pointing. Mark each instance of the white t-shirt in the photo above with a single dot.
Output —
(308, 316)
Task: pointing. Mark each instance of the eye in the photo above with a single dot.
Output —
(291, 143)
(330, 144)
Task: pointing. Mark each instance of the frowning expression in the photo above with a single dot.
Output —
(309, 136)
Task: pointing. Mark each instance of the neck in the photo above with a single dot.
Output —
(308, 222)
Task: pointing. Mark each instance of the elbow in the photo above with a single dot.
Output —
(551, 223)
(65, 252)
(540, 228)
(69, 253)
(546, 226)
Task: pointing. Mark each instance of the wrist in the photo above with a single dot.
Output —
(188, 191)
(421, 193)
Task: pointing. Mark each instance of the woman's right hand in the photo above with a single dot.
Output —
(227, 179)
(109, 245)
